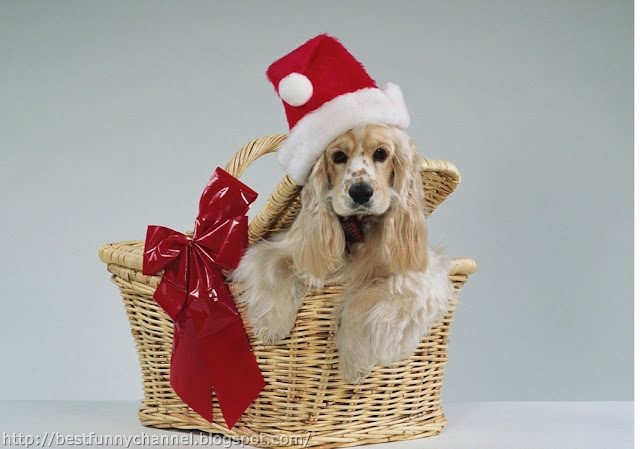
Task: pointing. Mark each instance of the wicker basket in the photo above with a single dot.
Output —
(305, 402)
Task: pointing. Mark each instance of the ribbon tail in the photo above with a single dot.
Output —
(188, 377)
(232, 366)
(237, 390)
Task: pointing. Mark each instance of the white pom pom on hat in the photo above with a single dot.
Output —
(295, 89)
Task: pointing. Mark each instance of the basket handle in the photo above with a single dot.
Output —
(252, 151)
(283, 195)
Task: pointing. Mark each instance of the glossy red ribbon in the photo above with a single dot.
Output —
(210, 345)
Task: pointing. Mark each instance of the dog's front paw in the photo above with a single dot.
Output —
(272, 318)
(354, 372)
(272, 292)
(270, 336)
(271, 328)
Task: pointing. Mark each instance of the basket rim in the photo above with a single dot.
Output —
(128, 254)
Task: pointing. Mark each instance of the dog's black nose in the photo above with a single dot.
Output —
(360, 192)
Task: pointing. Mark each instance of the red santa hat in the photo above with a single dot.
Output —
(325, 92)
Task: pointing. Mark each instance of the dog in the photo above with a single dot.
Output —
(368, 183)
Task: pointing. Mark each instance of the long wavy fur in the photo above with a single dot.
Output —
(404, 235)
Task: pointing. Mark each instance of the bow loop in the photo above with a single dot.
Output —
(162, 247)
(224, 198)
(221, 243)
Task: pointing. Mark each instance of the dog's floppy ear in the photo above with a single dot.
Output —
(404, 233)
(316, 237)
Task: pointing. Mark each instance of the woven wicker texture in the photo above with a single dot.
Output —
(305, 398)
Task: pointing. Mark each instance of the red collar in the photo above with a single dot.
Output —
(352, 229)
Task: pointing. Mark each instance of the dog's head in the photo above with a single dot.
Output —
(361, 167)
(369, 171)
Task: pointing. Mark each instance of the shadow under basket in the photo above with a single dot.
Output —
(305, 403)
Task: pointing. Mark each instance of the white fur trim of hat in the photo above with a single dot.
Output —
(311, 135)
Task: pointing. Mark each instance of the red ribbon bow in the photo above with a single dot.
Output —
(210, 344)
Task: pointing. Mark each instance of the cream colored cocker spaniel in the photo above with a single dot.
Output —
(361, 224)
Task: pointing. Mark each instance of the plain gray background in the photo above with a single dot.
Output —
(114, 115)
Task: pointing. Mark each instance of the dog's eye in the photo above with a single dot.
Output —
(380, 155)
(339, 157)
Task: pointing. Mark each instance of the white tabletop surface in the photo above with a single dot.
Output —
(494, 425)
